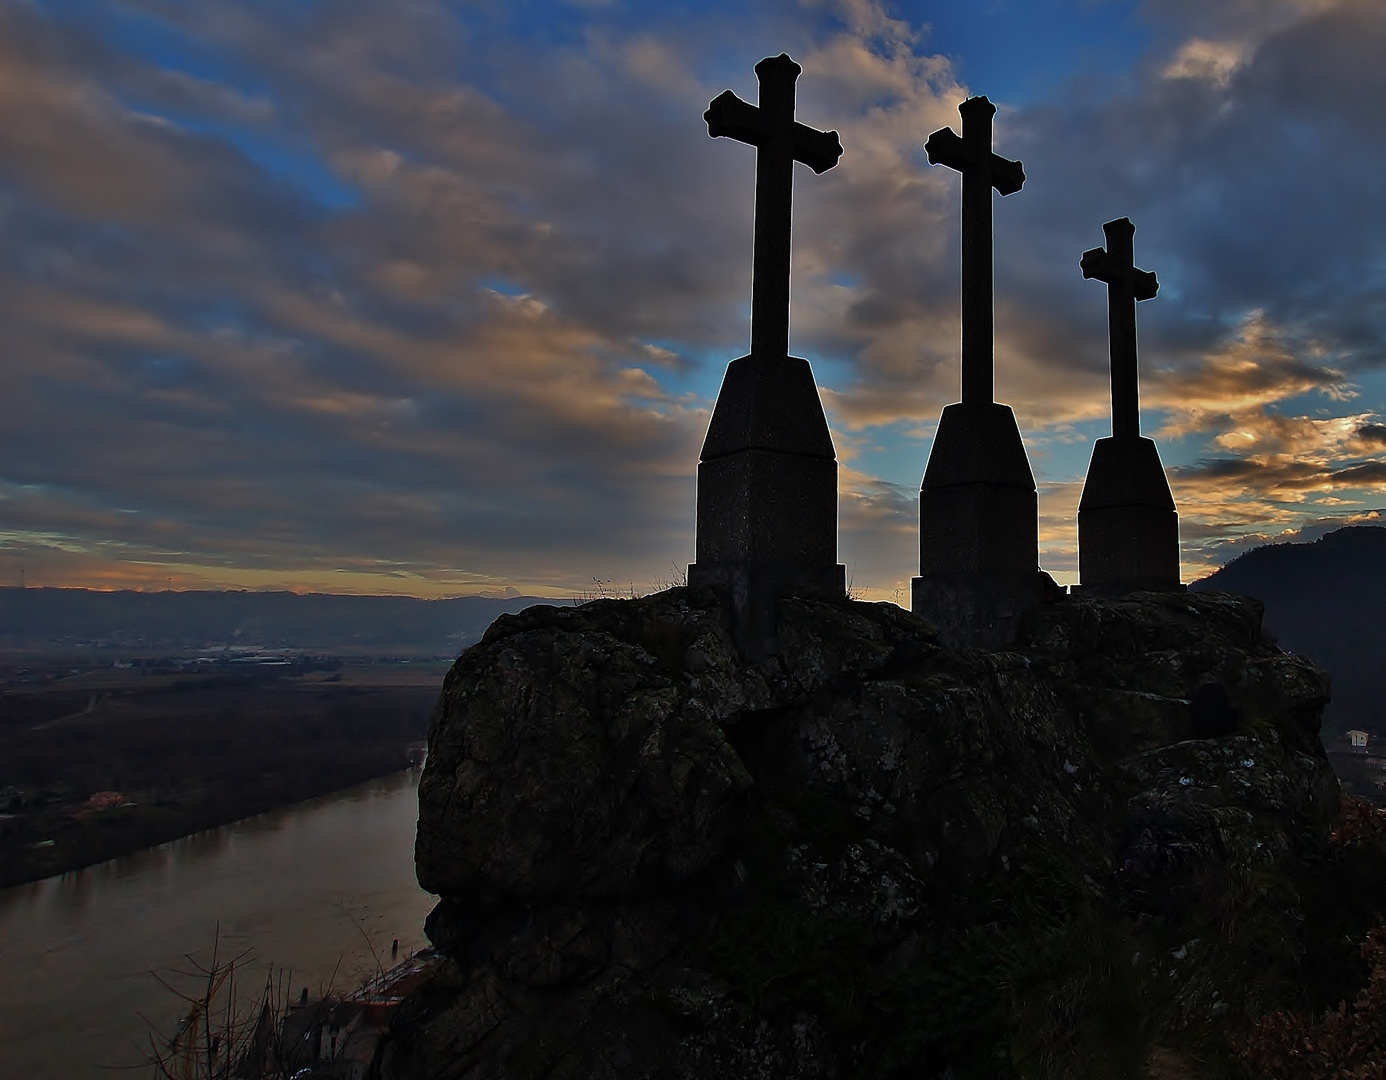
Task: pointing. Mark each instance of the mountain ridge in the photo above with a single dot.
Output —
(1324, 599)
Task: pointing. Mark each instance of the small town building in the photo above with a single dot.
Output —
(1359, 764)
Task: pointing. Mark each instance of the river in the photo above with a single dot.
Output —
(309, 888)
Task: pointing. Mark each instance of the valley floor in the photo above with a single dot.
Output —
(102, 761)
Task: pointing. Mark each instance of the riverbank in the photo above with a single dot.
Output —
(316, 893)
(102, 762)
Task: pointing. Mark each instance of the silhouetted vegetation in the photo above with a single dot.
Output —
(1346, 1039)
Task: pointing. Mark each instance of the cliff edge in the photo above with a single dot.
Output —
(871, 855)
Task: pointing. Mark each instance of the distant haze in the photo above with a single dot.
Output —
(135, 622)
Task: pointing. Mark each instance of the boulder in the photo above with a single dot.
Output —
(867, 855)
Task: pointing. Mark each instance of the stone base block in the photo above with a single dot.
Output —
(1126, 548)
(978, 511)
(767, 506)
(755, 589)
(978, 530)
(1128, 530)
(971, 611)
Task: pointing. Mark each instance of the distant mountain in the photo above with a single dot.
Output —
(196, 621)
(1327, 601)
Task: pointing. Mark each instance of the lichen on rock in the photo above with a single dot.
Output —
(867, 855)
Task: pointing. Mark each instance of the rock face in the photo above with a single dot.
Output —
(870, 855)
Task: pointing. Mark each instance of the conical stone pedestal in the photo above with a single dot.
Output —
(1128, 529)
(767, 496)
(978, 529)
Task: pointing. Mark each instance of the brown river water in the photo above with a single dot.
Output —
(320, 886)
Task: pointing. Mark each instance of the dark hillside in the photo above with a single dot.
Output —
(1327, 601)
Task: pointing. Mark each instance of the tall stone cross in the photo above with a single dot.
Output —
(981, 170)
(767, 474)
(780, 141)
(978, 507)
(1125, 285)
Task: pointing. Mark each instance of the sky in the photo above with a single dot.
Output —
(434, 297)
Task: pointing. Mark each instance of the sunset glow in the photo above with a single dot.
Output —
(435, 299)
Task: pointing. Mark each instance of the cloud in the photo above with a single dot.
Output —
(404, 293)
(191, 392)
(1261, 366)
(1215, 61)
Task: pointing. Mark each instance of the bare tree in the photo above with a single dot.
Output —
(225, 1034)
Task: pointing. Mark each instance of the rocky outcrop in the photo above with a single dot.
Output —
(869, 855)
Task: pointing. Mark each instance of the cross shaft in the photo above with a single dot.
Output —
(981, 170)
(779, 141)
(1125, 286)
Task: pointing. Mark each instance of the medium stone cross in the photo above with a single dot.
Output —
(1125, 285)
(780, 141)
(982, 170)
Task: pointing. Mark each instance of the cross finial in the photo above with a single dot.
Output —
(1125, 286)
(982, 170)
(779, 141)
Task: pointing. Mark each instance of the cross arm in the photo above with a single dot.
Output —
(1007, 176)
(733, 118)
(946, 147)
(819, 150)
(1098, 263)
(728, 116)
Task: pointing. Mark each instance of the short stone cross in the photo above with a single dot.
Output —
(1125, 285)
(767, 475)
(1128, 526)
(780, 141)
(981, 170)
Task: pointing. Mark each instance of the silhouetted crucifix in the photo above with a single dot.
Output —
(1125, 285)
(981, 171)
(780, 141)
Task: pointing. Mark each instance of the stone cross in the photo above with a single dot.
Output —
(1125, 285)
(1128, 525)
(982, 170)
(978, 508)
(780, 141)
(767, 474)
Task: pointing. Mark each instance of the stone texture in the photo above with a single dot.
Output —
(868, 854)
